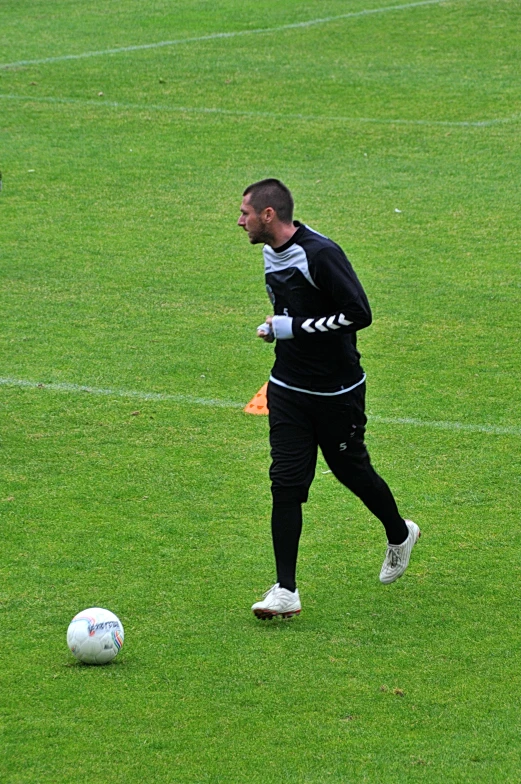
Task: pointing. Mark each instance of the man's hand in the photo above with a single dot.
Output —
(265, 331)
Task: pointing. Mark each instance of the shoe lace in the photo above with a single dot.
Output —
(276, 585)
(393, 556)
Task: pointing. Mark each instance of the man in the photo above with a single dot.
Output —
(316, 391)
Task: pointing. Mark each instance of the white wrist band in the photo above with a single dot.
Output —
(282, 327)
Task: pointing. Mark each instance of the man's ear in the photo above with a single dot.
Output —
(268, 214)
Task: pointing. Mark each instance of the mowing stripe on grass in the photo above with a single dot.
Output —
(220, 36)
(193, 400)
(256, 114)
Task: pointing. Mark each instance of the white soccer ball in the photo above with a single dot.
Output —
(95, 636)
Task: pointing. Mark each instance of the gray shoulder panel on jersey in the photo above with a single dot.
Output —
(293, 257)
(314, 231)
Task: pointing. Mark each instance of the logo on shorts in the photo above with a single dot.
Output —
(343, 445)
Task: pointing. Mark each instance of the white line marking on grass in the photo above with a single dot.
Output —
(220, 36)
(497, 430)
(159, 396)
(464, 427)
(254, 114)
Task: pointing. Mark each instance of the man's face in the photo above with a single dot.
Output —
(256, 225)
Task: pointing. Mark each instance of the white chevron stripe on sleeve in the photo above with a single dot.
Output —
(307, 325)
(320, 324)
(342, 320)
(331, 323)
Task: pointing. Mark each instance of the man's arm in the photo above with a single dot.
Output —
(334, 275)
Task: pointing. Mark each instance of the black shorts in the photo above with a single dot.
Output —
(300, 423)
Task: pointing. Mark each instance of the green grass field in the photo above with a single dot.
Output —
(131, 478)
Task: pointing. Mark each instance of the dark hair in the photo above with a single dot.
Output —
(271, 193)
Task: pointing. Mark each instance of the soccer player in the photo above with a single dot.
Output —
(316, 391)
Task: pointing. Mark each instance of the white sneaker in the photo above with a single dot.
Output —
(398, 555)
(277, 601)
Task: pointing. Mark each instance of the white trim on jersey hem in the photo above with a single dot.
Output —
(320, 394)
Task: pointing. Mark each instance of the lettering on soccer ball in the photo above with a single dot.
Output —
(99, 627)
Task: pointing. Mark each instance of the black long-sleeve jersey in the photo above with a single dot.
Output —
(310, 280)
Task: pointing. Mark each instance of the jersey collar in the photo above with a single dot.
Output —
(298, 234)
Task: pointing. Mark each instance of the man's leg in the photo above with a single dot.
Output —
(341, 429)
(294, 455)
(286, 526)
(374, 492)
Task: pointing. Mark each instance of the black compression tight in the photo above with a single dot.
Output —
(286, 527)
